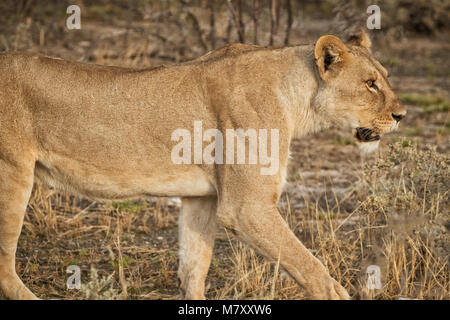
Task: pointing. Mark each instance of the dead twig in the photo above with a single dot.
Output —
(289, 22)
(255, 17)
(237, 17)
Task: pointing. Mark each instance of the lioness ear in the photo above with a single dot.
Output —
(331, 54)
(360, 39)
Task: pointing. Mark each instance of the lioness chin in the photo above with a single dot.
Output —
(105, 133)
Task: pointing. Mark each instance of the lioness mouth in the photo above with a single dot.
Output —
(366, 135)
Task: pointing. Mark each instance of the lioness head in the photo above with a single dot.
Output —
(354, 89)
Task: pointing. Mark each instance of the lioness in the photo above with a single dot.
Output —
(105, 133)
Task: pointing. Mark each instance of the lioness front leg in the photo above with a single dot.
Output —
(16, 183)
(260, 225)
(198, 227)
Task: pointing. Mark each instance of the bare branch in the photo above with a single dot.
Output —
(196, 25)
(237, 17)
(255, 20)
(273, 20)
(289, 22)
(212, 25)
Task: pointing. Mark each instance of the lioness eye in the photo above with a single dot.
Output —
(371, 84)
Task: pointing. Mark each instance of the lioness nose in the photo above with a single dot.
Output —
(398, 117)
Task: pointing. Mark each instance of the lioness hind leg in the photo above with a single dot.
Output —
(198, 229)
(16, 184)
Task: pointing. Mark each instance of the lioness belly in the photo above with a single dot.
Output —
(86, 179)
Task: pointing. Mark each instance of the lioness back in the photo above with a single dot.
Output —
(98, 131)
(103, 132)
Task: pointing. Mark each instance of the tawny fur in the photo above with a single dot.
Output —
(105, 133)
